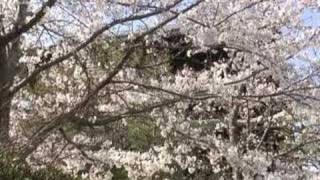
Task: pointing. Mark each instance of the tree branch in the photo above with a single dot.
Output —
(85, 44)
(16, 32)
(63, 118)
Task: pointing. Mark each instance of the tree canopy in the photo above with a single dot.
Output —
(183, 89)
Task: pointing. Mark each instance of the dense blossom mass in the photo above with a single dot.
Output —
(183, 89)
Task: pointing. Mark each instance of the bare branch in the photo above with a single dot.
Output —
(85, 44)
(16, 32)
(63, 118)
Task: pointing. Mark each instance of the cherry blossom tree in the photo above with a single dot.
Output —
(219, 92)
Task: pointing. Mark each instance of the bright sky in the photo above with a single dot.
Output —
(311, 17)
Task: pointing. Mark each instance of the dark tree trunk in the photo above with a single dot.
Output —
(10, 54)
(4, 121)
(9, 57)
(6, 80)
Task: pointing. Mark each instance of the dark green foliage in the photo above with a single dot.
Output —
(178, 47)
(143, 134)
(119, 173)
(11, 168)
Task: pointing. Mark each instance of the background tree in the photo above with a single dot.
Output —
(84, 84)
